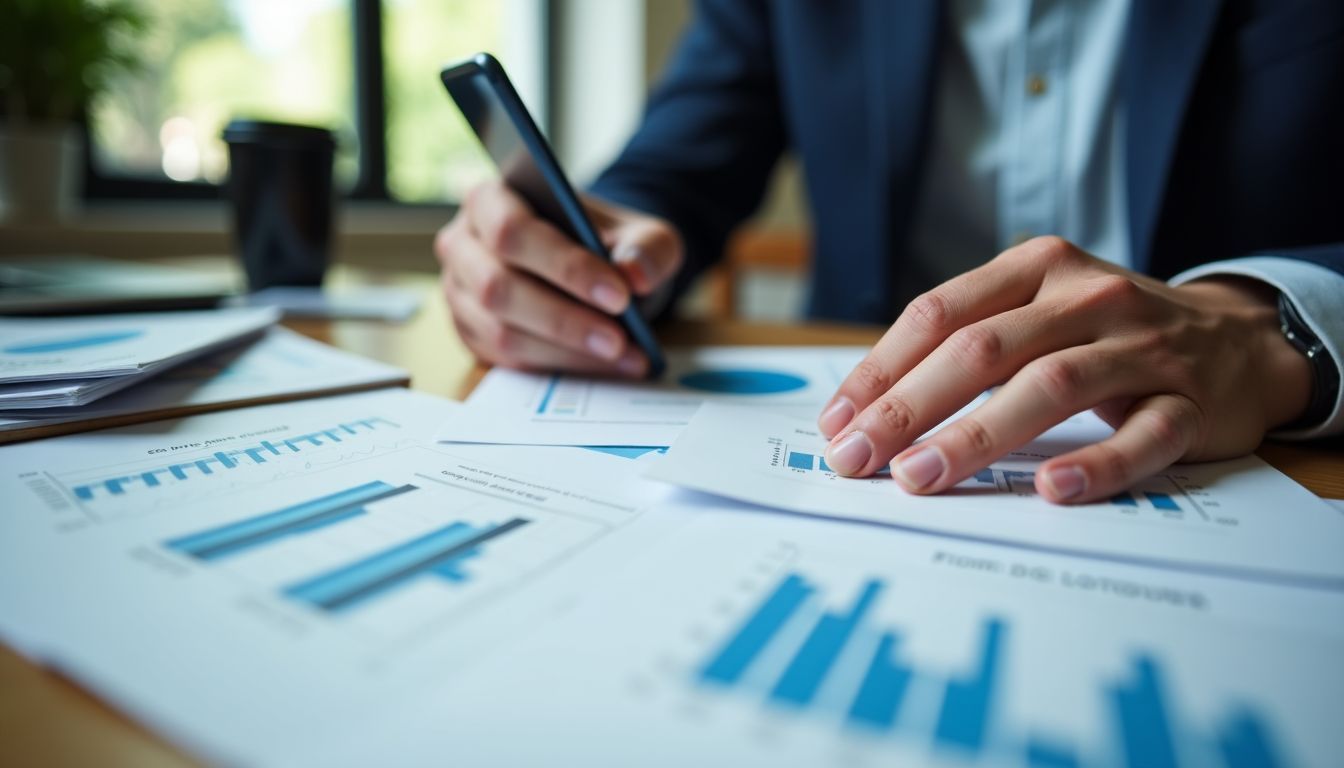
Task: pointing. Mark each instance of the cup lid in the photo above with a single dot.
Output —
(243, 131)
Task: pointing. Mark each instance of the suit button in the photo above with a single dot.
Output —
(1036, 85)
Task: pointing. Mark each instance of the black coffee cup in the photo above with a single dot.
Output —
(281, 188)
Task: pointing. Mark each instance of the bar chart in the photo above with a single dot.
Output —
(794, 644)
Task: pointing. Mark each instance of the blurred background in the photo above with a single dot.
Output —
(368, 70)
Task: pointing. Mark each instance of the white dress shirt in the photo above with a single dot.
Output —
(1027, 139)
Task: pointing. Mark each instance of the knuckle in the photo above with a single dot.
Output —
(978, 349)
(665, 244)
(894, 413)
(507, 232)
(1060, 379)
(1165, 430)
(574, 269)
(976, 436)
(872, 377)
(1114, 466)
(493, 290)
(1111, 290)
(501, 340)
(930, 313)
(1051, 249)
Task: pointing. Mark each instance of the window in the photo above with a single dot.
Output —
(366, 69)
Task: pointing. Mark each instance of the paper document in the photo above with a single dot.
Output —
(253, 582)
(763, 640)
(1238, 517)
(280, 364)
(521, 408)
(117, 345)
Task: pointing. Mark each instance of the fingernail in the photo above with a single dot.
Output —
(609, 297)
(920, 468)
(604, 343)
(631, 363)
(1066, 482)
(836, 417)
(851, 454)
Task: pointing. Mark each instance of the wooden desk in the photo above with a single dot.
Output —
(47, 721)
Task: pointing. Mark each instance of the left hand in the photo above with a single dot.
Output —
(1192, 373)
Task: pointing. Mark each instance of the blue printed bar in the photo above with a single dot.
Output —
(801, 460)
(822, 465)
(879, 698)
(254, 454)
(1145, 730)
(1044, 753)
(985, 476)
(732, 661)
(1163, 501)
(1124, 500)
(548, 394)
(814, 660)
(1245, 743)
(436, 551)
(254, 531)
(964, 718)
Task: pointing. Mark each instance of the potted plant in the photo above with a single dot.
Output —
(56, 56)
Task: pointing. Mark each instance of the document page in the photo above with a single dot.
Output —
(115, 345)
(1239, 517)
(278, 364)
(251, 581)
(752, 639)
(532, 409)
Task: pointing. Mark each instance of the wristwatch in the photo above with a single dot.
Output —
(1324, 371)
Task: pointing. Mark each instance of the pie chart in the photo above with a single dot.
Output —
(742, 381)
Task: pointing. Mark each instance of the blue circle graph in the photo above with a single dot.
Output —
(743, 382)
(69, 343)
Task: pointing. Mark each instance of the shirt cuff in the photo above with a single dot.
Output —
(1316, 292)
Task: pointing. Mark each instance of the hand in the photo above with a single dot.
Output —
(1194, 373)
(524, 295)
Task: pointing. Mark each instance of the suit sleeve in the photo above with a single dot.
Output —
(1313, 279)
(712, 132)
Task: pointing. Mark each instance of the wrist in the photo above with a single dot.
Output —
(1280, 374)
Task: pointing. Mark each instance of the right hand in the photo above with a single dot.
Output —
(523, 295)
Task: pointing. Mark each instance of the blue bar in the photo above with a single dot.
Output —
(814, 660)
(1246, 743)
(985, 476)
(732, 660)
(879, 697)
(1124, 500)
(1144, 728)
(234, 537)
(1043, 753)
(1162, 501)
(801, 460)
(430, 553)
(351, 578)
(964, 717)
(550, 390)
(822, 465)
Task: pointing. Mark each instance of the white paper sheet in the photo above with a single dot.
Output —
(702, 654)
(278, 364)
(531, 409)
(116, 345)
(251, 583)
(1238, 517)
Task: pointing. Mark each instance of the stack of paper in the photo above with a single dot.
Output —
(71, 361)
(326, 583)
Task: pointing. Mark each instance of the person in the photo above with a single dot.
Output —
(1159, 180)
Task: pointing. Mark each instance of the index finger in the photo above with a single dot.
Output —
(517, 235)
(1007, 282)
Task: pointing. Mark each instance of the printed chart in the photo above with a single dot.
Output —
(512, 407)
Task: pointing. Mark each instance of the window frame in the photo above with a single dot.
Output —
(370, 118)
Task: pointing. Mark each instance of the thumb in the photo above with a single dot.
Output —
(647, 251)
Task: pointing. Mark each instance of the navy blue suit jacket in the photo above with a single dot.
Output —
(1234, 142)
